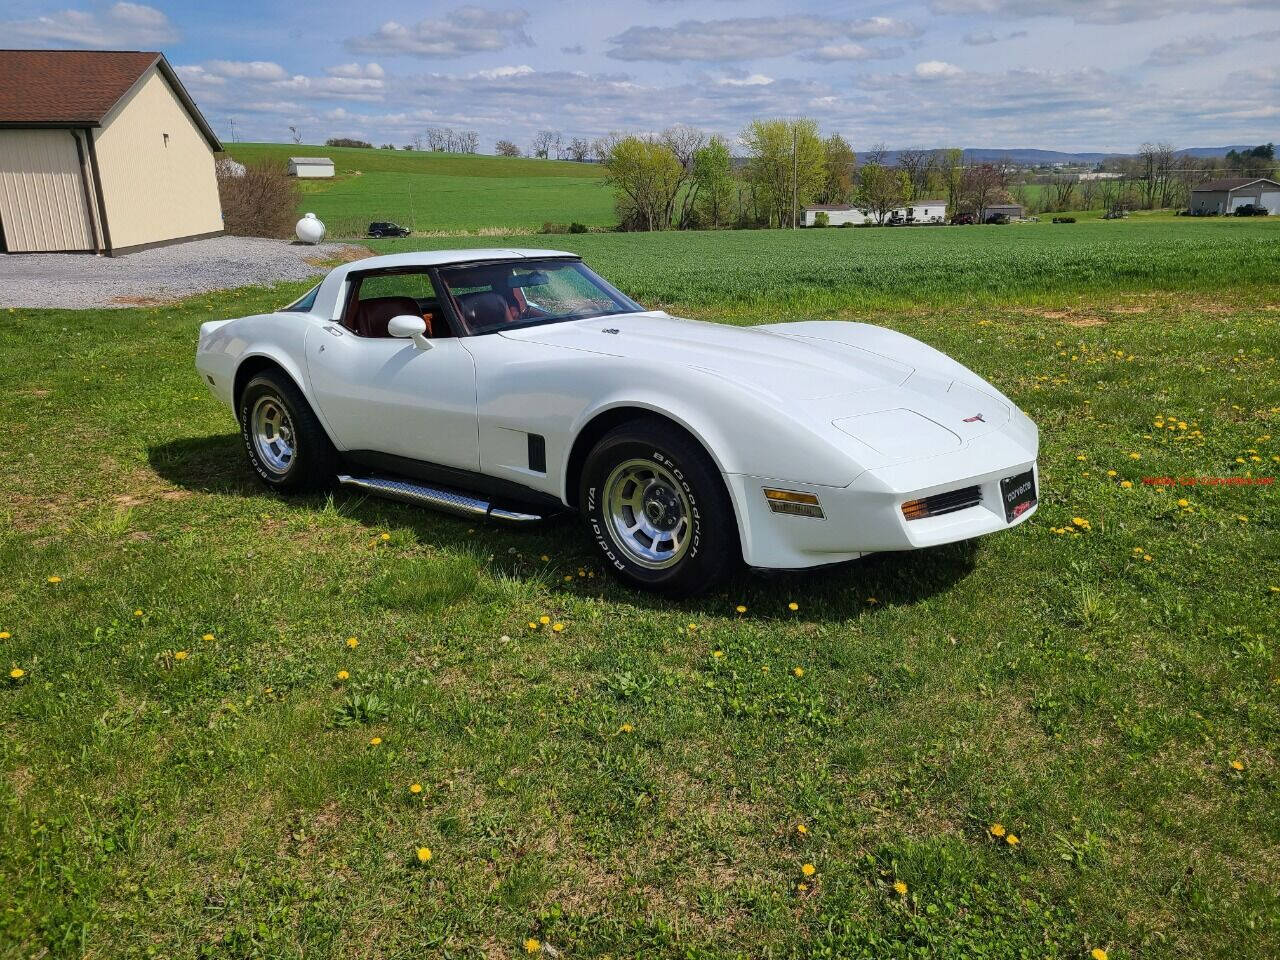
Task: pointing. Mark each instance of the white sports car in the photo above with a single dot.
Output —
(516, 383)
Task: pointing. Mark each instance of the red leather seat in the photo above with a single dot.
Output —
(373, 315)
(485, 310)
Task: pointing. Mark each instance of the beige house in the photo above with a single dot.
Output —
(102, 152)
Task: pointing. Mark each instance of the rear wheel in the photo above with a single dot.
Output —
(286, 446)
(658, 509)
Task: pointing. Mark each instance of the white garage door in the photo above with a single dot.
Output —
(42, 202)
(1271, 200)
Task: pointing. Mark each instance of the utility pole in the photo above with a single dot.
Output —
(232, 121)
(795, 176)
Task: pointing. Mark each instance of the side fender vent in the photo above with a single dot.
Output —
(537, 453)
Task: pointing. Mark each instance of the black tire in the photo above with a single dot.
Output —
(313, 461)
(712, 550)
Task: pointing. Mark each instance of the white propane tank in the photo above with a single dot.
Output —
(310, 229)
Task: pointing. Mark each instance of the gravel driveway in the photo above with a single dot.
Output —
(78, 280)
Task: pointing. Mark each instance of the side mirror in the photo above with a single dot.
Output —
(408, 327)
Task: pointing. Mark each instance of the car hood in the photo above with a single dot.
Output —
(768, 362)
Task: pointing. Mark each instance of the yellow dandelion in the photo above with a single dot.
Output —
(415, 788)
(207, 638)
(693, 628)
(997, 830)
(544, 558)
(1080, 456)
(808, 869)
(137, 613)
(1126, 484)
(533, 625)
(4, 634)
(798, 671)
(532, 946)
(1242, 518)
(801, 829)
(626, 728)
(1184, 502)
(717, 654)
(740, 608)
(1097, 953)
(1146, 558)
(802, 887)
(424, 854)
(557, 627)
(793, 606)
(1135, 456)
(544, 620)
(1237, 765)
(900, 888)
(375, 741)
(567, 577)
(55, 579)
(872, 600)
(17, 673)
(1012, 840)
(386, 536)
(180, 655)
(1111, 473)
(343, 675)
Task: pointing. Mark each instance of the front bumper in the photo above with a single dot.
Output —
(866, 516)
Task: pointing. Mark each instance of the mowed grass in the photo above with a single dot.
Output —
(185, 772)
(432, 191)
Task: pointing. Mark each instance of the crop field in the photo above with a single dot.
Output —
(434, 192)
(236, 726)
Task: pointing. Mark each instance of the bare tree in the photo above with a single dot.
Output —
(876, 154)
(505, 148)
(544, 142)
(981, 187)
(601, 146)
(1061, 190)
(914, 162)
(468, 141)
(416, 140)
(295, 134)
(578, 150)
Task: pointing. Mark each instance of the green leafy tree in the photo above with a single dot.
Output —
(787, 167)
(646, 177)
(882, 190)
(714, 182)
(842, 167)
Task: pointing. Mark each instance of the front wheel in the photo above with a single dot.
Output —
(658, 510)
(287, 447)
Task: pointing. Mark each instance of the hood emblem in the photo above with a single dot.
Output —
(609, 330)
(976, 418)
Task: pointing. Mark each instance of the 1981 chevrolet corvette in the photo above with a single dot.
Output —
(514, 383)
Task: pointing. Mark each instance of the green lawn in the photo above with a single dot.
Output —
(186, 774)
(432, 191)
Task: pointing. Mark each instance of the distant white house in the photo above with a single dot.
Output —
(919, 211)
(310, 167)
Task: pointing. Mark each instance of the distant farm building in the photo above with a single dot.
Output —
(1013, 211)
(1224, 196)
(838, 214)
(310, 167)
(101, 151)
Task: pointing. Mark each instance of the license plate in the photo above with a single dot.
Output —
(1019, 494)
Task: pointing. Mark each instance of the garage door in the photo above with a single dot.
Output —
(42, 200)
(1271, 200)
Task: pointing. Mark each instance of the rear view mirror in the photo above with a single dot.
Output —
(535, 278)
(409, 327)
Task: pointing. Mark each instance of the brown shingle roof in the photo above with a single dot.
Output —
(78, 87)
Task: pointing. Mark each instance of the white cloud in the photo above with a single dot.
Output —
(246, 69)
(752, 80)
(122, 26)
(749, 38)
(934, 69)
(462, 31)
(500, 73)
(854, 51)
(1094, 11)
(370, 71)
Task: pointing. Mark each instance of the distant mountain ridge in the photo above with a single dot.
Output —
(1030, 155)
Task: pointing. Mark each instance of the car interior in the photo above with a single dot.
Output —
(490, 296)
(376, 298)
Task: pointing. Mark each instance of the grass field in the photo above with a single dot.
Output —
(197, 763)
(432, 191)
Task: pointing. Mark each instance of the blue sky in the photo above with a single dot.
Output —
(1057, 74)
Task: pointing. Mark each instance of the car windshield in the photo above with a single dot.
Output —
(520, 293)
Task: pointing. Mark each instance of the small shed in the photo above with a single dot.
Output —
(1224, 196)
(1014, 211)
(837, 214)
(310, 168)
